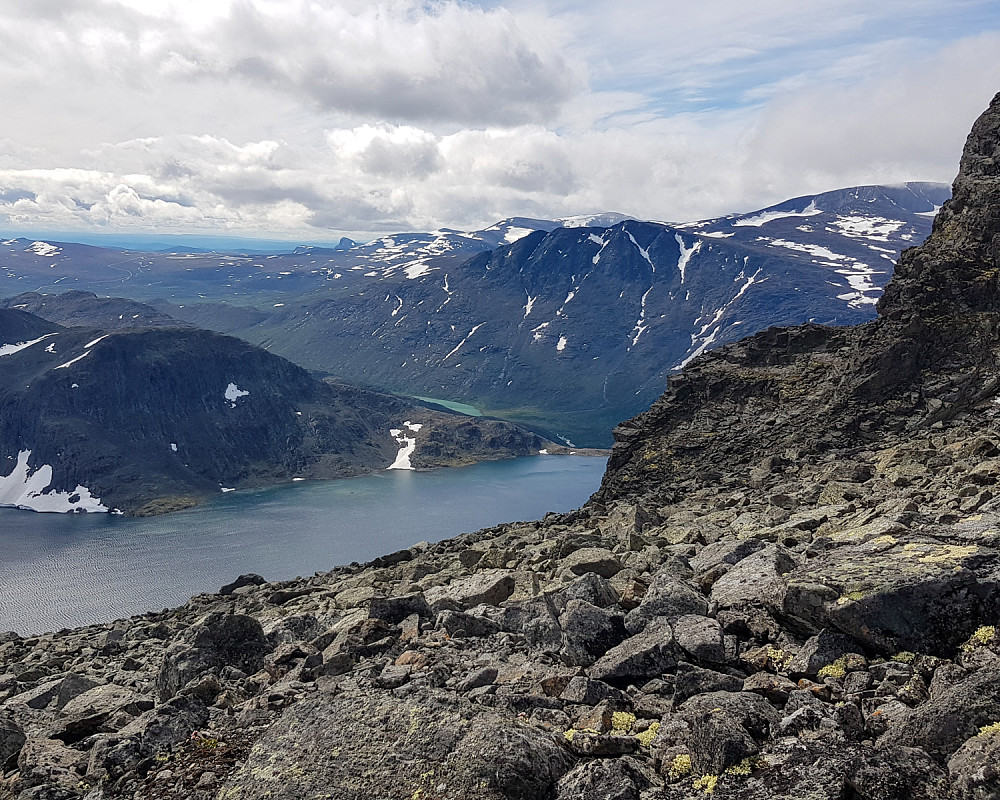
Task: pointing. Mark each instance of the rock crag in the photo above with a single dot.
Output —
(787, 587)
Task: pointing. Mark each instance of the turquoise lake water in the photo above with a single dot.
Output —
(59, 570)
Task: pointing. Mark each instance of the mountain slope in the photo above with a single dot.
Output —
(146, 420)
(577, 328)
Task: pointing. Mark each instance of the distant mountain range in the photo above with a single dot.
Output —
(150, 419)
(569, 326)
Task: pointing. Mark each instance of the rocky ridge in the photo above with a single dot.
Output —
(787, 587)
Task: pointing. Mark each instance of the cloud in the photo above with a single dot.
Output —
(313, 119)
(441, 62)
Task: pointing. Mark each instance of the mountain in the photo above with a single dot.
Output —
(573, 329)
(787, 587)
(86, 309)
(145, 420)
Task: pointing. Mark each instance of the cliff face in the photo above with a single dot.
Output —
(788, 587)
(803, 393)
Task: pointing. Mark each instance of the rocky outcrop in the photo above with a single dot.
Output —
(786, 588)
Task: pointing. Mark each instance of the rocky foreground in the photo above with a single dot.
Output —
(787, 587)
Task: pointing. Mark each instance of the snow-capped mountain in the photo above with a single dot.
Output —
(569, 324)
(577, 328)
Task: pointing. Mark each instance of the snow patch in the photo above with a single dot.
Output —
(407, 445)
(563, 341)
(767, 216)
(25, 488)
(529, 305)
(88, 345)
(10, 349)
(876, 228)
(234, 393)
(512, 234)
(643, 252)
(173, 446)
(71, 362)
(457, 346)
(44, 249)
(812, 249)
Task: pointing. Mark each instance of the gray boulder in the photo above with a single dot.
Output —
(589, 632)
(425, 746)
(221, 640)
(639, 658)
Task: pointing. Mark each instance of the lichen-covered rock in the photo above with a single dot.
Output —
(383, 748)
(490, 588)
(597, 560)
(975, 768)
(12, 738)
(943, 724)
(898, 594)
(639, 658)
(221, 640)
(589, 632)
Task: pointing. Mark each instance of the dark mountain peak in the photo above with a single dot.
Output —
(18, 326)
(957, 267)
(77, 308)
(925, 368)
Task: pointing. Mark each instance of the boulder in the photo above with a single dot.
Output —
(754, 580)
(639, 658)
(975, 768)
(396, 609)
(690, 680)
(12, 738)
(491, 588)
(589, 632)
(536, 619)
(898, 594)
(603, 779)
(820, 651)
(424, 746)
(592, 559)
(700, 637)
(591, 587)
(944, 723)
(669, 597)
(87, 713)
(220, 640)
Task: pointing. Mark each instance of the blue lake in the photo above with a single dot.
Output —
(61, 570)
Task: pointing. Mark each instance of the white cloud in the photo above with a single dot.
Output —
(299, 118)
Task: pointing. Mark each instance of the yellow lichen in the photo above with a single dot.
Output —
(646, 737)
(779, 658)
(904, 657)
(706, 783)
(838, 669)
(680, 766)
(622, 721)
(850, 597)
(570, 734)
(939, 553)
(982, 637)
(989, 730)
(746, 767)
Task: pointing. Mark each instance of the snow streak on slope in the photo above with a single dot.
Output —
(686, 253)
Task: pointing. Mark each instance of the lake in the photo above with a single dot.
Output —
(62, 570)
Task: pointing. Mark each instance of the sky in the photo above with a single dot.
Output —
(312, 119)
